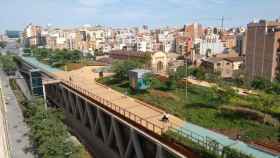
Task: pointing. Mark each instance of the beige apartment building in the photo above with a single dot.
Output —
(32, 35)
(262, 49)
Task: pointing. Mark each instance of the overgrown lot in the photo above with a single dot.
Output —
(202, 106)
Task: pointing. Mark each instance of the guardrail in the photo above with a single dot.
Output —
(206, 142)
(118, 109)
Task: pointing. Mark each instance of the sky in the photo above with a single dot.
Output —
(16, 14)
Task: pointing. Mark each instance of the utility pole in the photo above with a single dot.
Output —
(186, 79)
(222, 25)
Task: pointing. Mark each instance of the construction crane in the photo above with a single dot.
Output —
(221, 19)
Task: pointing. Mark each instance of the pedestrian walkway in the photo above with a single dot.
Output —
(20, 145)
(225, 141)
(4, 143)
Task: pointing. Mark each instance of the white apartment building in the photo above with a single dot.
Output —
(144, 43)
(211, 44)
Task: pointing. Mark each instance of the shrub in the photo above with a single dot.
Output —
(249, 114)
(204, 152)
(243, 112)
(171, 83)
(260, 83)
(232, 153)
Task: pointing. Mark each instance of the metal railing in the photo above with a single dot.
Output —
(118, 109)
(204, 141)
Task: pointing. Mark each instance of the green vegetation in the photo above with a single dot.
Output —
(8, 64)
(121, 68)
(202, 107)
(239, 80)
(59, 58)
(202, 151)
(3, 44)
(50, 136)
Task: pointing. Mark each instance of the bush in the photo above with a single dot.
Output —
(204, 152)
(274, 89)
(8, 64)
(243, 112)
(249, 114)
(49, 133)
(171, 83)
(231, 153)
(3, 44)
(260, 83)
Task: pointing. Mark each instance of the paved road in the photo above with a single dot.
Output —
(18, 130)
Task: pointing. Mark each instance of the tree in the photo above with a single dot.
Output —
(89, 56)
(121, 68)
(274, 89)
(75, 56)
(27, 52)
(199, 73)
(260, 83)
(180, 72)
(171, 83)
(8, 64)
(3, 44)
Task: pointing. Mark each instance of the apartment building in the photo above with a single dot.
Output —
(262, 49)
(32, 35)
(211, 44)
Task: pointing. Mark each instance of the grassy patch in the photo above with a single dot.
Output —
(200, 109)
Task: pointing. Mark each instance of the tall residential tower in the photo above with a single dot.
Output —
(263, 49)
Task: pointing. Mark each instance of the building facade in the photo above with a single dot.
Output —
(262, 49)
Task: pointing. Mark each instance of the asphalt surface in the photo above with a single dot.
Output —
(17, 128)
